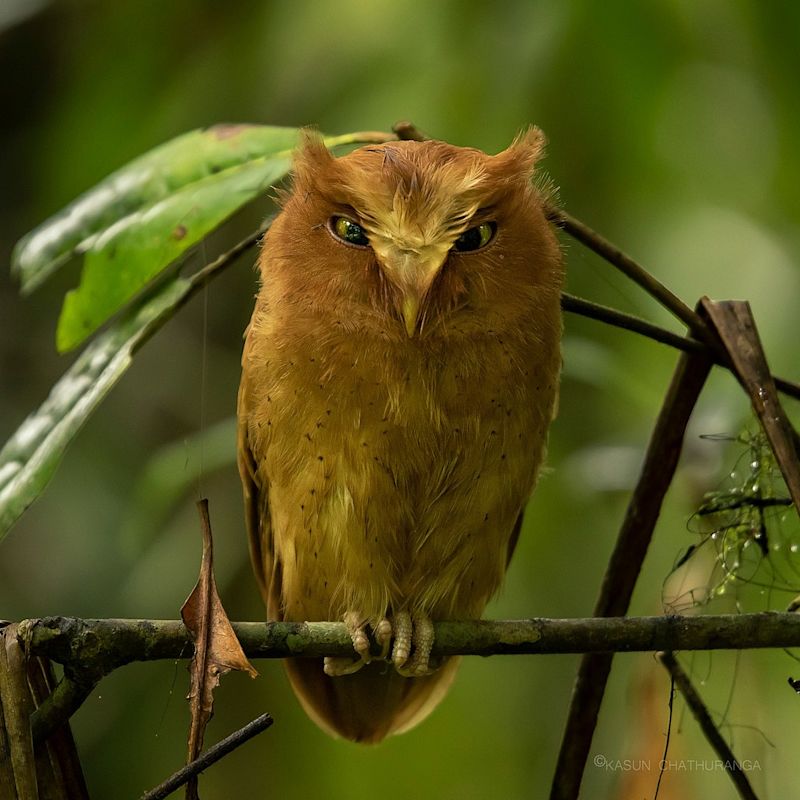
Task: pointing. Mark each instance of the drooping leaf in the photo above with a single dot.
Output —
(130, 253)
(143, 182)
(216, 648)
(31, 455)
(146, 215)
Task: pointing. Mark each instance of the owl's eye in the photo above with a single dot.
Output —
(348, 231)
(475, 238)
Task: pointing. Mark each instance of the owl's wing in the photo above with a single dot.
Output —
(257, 518)
(512, 542)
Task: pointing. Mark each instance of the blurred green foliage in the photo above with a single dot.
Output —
(673, 129)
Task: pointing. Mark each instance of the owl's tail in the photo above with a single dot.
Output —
(370, 704)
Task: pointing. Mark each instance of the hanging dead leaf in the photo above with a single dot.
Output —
(216, 648)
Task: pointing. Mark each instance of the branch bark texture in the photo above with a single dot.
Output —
(98, 646)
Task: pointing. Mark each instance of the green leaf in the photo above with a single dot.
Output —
(146, 215)
(136, 249)
(143, 182)
(156, 193)
(30, 457)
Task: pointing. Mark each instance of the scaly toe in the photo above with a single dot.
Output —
(336, 666)
(423, 643)
(342, 665)
(356, 627)
(401, 649)
(383, 637)
(416, 631)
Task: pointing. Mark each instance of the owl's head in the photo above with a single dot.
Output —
(424, 238)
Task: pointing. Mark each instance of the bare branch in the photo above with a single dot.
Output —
(66, 699)
(628, 322)
(586, 308)
(99, 646)
(209, 757)
(733, 322)
(698, 708)
(91, 648)
(635, 271)
(623, 569)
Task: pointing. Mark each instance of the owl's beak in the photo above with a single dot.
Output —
(409, 308)
(413, 273)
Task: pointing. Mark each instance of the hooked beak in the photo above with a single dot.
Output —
(412, 272)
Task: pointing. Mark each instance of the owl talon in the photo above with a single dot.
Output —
(383, 636)
(410, 639)
(403, 629)
(342, 665)
(413, 642)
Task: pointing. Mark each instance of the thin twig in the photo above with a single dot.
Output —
(662, 765)
(625, 564)
(209, 757)
(586, 308)
(204, 276)
(635, 271)
(715, 739)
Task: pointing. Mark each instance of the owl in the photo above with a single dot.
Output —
(399, 375)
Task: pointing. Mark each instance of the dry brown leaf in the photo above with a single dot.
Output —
(216, 648)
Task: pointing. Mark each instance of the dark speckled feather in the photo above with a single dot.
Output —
(395, 401)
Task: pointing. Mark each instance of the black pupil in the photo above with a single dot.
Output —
(355, 234)
(469, 240)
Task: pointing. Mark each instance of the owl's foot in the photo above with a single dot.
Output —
(357, 628)
(413, 640)
(409, 637)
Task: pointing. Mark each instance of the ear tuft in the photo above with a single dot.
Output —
(524, 153)
(312, 160)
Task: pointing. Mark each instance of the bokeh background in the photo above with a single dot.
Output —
(673, 129)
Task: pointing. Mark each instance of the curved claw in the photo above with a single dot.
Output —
(409, 636)
(403, 629)
(412, 644)
(342, 665)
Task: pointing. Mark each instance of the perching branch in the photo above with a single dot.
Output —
(93, 648)
(105, 644)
